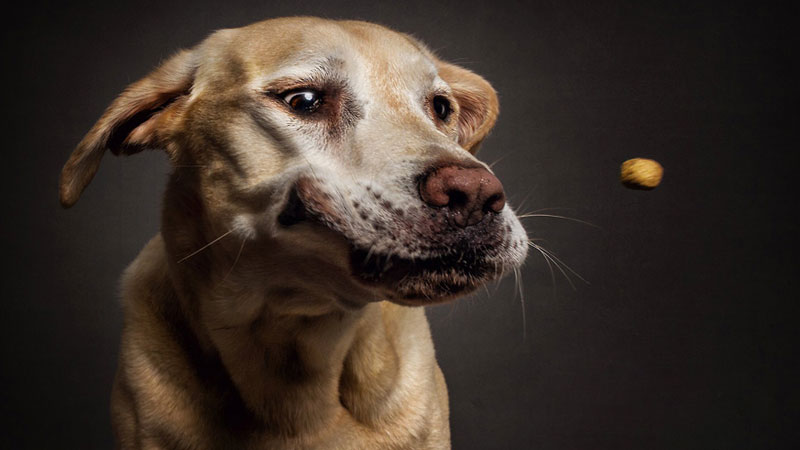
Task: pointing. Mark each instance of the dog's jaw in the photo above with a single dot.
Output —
(475, 257)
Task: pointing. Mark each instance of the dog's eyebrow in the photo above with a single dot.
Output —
(310, 71)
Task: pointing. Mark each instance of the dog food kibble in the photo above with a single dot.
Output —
(641, 173)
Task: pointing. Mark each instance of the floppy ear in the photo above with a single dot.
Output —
(133, 122)
(477, 102)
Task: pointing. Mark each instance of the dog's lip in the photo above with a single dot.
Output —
(305, 201)
(294, 211)
(420, 298)
(445, 276)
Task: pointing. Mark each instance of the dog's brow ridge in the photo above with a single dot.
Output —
(316, 69)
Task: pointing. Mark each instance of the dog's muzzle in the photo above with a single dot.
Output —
(451, 242)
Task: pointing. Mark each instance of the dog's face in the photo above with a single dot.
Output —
(346, 145)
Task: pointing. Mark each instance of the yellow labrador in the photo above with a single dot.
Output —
(323, 188)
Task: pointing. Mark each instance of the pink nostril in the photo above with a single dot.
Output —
(469, 193)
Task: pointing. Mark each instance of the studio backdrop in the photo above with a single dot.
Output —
(659, 319)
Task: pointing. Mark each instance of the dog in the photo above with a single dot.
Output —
(323, 188)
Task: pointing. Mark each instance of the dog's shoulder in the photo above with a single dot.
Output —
(148, 275)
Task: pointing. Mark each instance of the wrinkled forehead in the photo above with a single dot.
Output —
(299, 47)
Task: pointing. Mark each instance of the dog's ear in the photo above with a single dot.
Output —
(133, 122)
(477, 103)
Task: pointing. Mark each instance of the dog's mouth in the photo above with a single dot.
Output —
(427, 280)
(455, 261)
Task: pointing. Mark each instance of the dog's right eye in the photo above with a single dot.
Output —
(442, 108)
(304, 101)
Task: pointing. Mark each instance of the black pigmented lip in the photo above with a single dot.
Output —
(294, 211)
(392, 270)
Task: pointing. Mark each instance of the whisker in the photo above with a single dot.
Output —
(369, 254)
(502, 275)
(311, 168)
(491, 166)
(555, 263)
(554, 208)
(518, 282)
(387, 264)
(560, 269)
(560, 265)
(553, 255)
(550, 267)
(448, 318)
(555, 216)
(204, 247)
(223, 328)
(525, 199)
(235, 260)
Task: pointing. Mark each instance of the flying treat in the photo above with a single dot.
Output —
(641, 173)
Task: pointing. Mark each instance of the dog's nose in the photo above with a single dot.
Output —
(468, 192)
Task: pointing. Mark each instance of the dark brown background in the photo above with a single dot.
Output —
(685, 336)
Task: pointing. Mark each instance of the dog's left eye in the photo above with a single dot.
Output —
(304, 101)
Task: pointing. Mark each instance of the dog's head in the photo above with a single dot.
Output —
(345, 145)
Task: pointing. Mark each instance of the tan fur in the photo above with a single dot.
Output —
(263, 339)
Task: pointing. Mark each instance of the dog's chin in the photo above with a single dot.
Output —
(421, 281)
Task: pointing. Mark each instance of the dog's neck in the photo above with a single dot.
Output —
(299, 370)
(298, 374)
